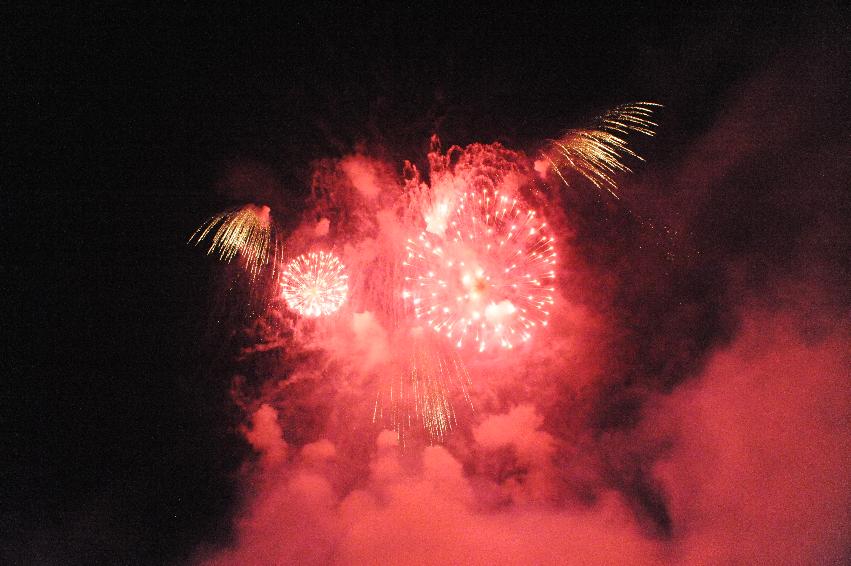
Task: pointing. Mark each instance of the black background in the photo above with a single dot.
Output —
(118, 440)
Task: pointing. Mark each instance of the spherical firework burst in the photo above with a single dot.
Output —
(314, 284)
(488, 278)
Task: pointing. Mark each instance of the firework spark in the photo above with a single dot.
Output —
(488, 278)
(422, 397)
(247, 231)
(599, 152)
(314, 284)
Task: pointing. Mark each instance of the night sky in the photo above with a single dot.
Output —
(122, 441)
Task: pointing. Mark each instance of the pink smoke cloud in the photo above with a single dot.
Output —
(760, 466)
(761, 469)
(266, 436)
(361, 173)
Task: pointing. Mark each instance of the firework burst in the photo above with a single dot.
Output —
(314, 284)
(599, 153)
(488, 278)
(247, 231)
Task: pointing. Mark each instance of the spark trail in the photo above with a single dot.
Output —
(599, 153)
(248, 231)
(422, 396)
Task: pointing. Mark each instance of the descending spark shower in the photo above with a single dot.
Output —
(468, 267)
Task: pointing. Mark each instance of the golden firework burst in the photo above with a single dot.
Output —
(599, 152)
(247, 231)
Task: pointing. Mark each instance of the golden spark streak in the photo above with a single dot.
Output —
(246, 231)
(598, 153)
(422, 396)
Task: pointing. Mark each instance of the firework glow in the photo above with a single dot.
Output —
(314, 284)
(453, 268)
(488, 279)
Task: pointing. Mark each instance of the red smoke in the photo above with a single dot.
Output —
(759, 468)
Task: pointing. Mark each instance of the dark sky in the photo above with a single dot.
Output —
(118, 436)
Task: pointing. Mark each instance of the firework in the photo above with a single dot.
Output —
(488, 279)
(599, 152)
(314, 284)
(423, 394)
(247, 231)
